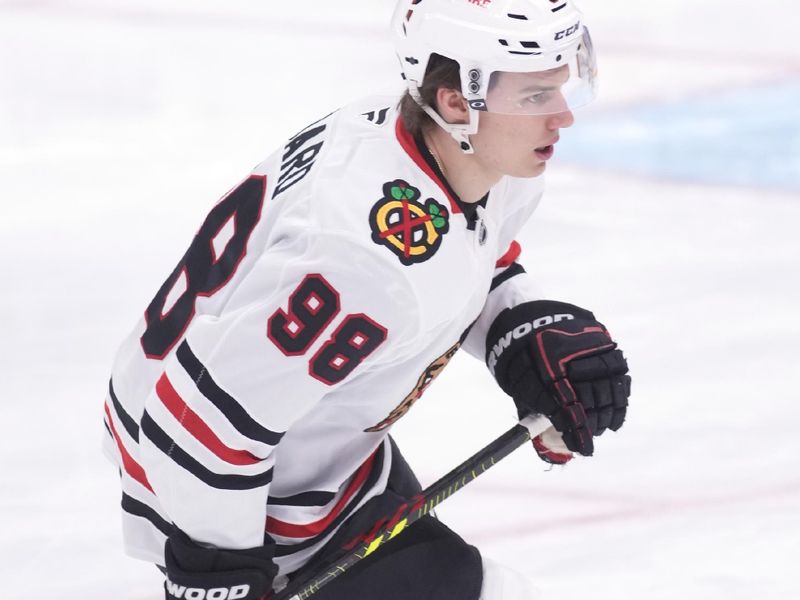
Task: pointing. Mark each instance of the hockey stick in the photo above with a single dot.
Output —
(477, 464)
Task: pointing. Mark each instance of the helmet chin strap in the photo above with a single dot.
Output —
(459, 131)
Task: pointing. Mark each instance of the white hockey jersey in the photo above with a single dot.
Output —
(316, 303)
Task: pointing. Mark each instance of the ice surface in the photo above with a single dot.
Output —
(120, 124)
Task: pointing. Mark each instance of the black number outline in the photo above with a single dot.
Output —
(278, 321)
(164, 330)
(320, 367)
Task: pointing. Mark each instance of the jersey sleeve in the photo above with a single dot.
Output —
(511, 285)
(238, 381)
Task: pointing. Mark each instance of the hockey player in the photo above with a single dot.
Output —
(249, 411)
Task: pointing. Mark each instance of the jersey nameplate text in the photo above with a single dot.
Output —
(299, 156)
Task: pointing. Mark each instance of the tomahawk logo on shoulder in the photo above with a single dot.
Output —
(180, 592)
(521, 331)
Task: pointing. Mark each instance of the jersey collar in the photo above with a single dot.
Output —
(422, 157)
(410, 146)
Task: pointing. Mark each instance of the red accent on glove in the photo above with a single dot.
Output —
(554, 457)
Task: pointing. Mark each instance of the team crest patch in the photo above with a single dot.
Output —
(411, 229)
(428, 375)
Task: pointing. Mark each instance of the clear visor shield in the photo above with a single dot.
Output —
(563, 88)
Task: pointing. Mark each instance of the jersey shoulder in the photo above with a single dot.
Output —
(323, 145)
(343, 174)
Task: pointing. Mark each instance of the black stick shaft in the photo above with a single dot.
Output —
(427, 500)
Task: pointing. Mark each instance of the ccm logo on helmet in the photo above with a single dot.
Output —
(236, 592)
(568, 32)
(518, 332)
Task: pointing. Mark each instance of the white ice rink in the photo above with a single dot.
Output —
(673, 212)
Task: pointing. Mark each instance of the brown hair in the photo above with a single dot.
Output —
(442, 72)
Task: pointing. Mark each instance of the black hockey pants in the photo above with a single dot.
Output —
(428, 561)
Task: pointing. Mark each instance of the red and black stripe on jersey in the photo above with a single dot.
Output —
(131, 505)
(223, 481)
(225, 403)
(508, 262)
(310, 534)
(196, 426)
(512, 270)
(129, 463)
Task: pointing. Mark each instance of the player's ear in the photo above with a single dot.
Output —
(452, 105)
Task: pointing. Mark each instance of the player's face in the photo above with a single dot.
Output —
(510, 140)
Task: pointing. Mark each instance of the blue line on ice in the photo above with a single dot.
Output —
(744, 136)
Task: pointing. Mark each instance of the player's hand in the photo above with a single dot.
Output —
(197, 571)
(557, 360)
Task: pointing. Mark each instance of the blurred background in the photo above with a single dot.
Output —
(672, 212)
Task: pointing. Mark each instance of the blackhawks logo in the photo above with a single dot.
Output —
(431, 372)
(406, 226)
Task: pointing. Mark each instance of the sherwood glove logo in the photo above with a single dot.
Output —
(518, 332)
(236, 592)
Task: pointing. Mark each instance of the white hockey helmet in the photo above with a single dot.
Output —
(489, 38)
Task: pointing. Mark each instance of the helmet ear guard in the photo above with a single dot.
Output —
(459, 131)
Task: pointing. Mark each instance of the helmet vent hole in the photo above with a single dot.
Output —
(408, 15)
(503, 42)
(520, 17)
(415, 1)
(558, 8)
(529, 44)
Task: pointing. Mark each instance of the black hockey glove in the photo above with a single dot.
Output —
(194, 571)
(555, 359)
